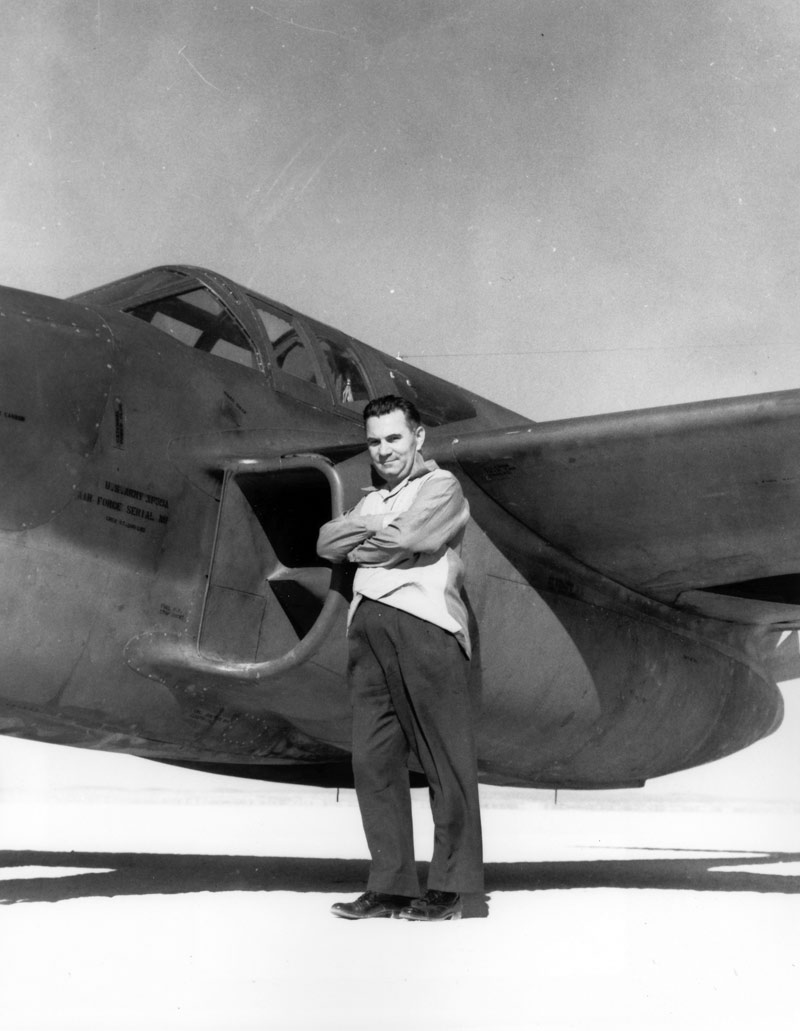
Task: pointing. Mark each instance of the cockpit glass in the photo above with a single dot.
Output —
(349, 382)
(290, 353)
(198, 319)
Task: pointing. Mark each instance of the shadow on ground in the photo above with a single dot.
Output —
(155, 874)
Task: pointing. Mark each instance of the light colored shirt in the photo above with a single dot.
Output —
(406, 542)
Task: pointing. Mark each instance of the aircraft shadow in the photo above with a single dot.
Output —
(156, 874)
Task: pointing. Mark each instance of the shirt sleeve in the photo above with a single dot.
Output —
(438, 513)
(338, 537)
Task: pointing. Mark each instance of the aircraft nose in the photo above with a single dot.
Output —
(56, 367)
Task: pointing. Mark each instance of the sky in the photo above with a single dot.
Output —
(569, 207)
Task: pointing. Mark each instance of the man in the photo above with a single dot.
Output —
(408, 671)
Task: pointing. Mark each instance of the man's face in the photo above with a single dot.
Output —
(393, 446)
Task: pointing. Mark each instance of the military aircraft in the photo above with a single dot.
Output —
(170, 444)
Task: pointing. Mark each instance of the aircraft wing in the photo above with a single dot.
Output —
(696, 505)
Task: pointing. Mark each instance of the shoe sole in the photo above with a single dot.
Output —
(430, 919)
(365, 916)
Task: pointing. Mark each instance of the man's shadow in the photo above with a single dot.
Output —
(156, 874)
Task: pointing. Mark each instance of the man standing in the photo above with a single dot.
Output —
(408, 671)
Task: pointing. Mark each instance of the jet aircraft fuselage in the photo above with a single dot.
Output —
(171, 443)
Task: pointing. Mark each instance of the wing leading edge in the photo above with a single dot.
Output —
(695, 505)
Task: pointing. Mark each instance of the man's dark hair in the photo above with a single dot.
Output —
(392, 403)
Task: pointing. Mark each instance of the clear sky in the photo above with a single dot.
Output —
(570, 206)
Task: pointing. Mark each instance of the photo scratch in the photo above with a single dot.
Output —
(331, 151)
(196, 70)
(308, 28)
(284, 170)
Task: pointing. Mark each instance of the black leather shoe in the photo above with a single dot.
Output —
(434, 905)
(370, 904)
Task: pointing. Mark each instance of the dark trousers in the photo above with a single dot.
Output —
(409, 686)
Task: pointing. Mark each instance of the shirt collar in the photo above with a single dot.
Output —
(421, 468)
